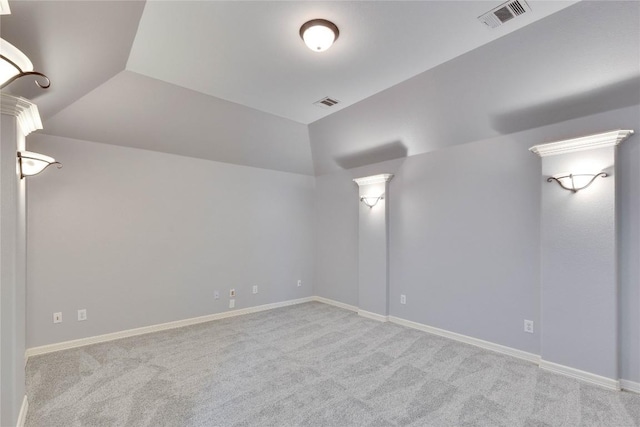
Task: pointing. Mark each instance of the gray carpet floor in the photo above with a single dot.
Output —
(307, 365)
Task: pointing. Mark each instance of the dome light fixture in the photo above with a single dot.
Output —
(15, 64)
(319, 34)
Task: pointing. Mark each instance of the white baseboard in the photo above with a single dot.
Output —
(22, 416)
(34, 351)
(335, 303)
(630, 386)
(374, 316)
(530, 357)
(609, 383)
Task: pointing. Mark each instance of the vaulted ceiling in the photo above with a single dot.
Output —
(233, 82)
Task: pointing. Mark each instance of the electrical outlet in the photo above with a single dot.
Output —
(232, 303)
(57, 317)
(528, 326)
(82, 314)
(216, 295)
(255, 289)
(299, 282)
(232, 293)
(403, 299)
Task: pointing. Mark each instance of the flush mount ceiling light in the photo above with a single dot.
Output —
(33, 163)
(319, 34)
(15, 64)
(576, 182)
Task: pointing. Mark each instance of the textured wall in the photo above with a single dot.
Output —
(337, 238)
(139, 238)
(464, 241)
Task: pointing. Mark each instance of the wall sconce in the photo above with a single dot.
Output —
(15, 64)
(33, 163)
(576, 182)
(371, 201)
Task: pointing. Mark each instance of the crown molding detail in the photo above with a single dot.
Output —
(4, 7)
(24, 110)
(590, 142)
(374, 179)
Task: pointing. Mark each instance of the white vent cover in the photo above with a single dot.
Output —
(326, 102)
(505, 12)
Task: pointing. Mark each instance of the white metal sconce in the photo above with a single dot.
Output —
(15, 64)
(319, 34)
(371, 201)
(568, 182)
(33, 163)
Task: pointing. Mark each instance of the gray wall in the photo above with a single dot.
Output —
(455, 216)
(464, 241)
(337, 238)
(12, 273)
(465, 230)
(129, 235)
(140, 238)
(337, 213)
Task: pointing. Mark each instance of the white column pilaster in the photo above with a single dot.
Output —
(19, 118)
(579, 297)
(373, 273)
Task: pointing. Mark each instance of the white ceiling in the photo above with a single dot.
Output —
(581, 61)
(78, 44)
(133, 110)
(250, 53)
(186, 77)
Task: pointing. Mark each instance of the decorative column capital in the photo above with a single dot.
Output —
(25, 111)
(374, 179)
(600, 140)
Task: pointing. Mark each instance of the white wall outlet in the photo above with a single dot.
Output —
(57, 317)
(232, 293)
(255, 289)
(232, 303)
(403, 299)
(299, 282)
(216, 295)
(528, 326)
(82, 314)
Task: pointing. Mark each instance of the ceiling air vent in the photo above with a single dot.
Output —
(505, 12)
(326, 102)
